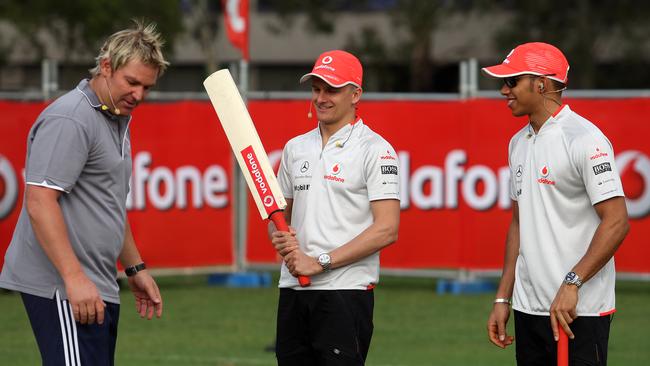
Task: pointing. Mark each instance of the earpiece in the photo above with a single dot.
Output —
(309, 113)
(541, 87)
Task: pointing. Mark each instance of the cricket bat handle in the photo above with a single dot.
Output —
(562, 348)
(278, 219)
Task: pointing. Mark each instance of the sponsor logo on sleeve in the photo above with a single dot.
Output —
(388, 156)
(599, 154)
(602, 168)
(389, 169)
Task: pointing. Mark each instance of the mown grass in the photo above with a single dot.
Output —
(209, 325)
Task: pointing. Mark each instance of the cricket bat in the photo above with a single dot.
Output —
(563, 348)
(248, 150)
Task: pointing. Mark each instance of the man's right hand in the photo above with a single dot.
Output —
(284, 242)
(496, 325)
(87, 304)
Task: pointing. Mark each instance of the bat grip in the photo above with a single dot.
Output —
(278, 219)
(562, 348)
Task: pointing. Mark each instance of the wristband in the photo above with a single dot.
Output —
(133, 270)
(502, 301)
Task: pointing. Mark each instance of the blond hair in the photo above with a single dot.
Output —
(142, 42)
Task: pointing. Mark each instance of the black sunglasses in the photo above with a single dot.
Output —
(512, 81)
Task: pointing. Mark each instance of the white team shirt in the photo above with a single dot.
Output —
(332, 187)
(557, 176)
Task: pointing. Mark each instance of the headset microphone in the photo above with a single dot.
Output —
(116, 110)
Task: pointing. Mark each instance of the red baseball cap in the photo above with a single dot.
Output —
(535, 58)
(337, 68)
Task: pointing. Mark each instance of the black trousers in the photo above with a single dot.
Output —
(324, 327)
(535, 344)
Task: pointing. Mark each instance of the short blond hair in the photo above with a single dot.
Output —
(142, 42)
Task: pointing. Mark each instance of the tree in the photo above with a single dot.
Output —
(78, 26)
(419, 18)
(585, 30)
(203, 24)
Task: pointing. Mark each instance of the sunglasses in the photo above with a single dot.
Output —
(512, 81)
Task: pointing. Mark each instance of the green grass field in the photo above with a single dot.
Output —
(208, 325)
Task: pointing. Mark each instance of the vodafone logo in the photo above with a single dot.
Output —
(327, 60)
(634, 167)
(8, 187)
(268, 201)
(388, 156)
(336, 169)
(599, 154)
(543, 171)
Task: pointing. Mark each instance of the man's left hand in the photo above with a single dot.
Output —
(147, 295)
(563, 310)
(300, 264)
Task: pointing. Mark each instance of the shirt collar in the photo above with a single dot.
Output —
(93, 100)
(344, 133)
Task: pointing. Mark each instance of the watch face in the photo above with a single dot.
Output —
(570, 277)
(324, 258)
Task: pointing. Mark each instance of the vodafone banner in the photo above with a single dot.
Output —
(453, 156)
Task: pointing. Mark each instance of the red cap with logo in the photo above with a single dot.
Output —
(337, 68)
(535, 58)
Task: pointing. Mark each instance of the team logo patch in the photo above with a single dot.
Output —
(327, 59)
(602, 168)
(519, 172)
(389, 169)
(336, 169)
(544, 171)
(304, 167)
(334, 172)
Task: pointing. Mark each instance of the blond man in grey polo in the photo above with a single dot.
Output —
(73, 228)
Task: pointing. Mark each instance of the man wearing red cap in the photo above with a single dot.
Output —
(568, 218)
(341, 182)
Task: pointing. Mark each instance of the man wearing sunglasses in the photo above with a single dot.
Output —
(568, 218)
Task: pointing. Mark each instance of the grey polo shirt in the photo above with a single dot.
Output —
(85, 152)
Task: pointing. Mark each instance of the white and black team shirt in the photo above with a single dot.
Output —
(557, 175)
(331, 187)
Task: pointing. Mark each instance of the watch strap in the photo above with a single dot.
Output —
(133, 270)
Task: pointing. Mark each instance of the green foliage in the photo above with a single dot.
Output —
(584, 30)
(205, 325)
(79, 26)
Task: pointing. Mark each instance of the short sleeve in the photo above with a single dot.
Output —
(284, 178)
(382, 172)
(57, 153)
(594, 158)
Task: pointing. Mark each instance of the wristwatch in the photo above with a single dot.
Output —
(573, 279)
(325, 261)
(133, 270)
